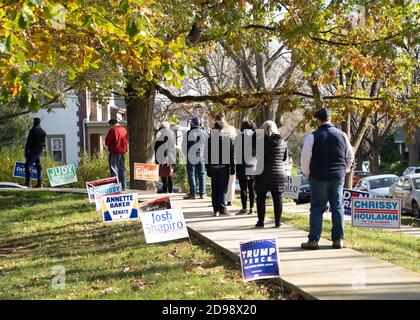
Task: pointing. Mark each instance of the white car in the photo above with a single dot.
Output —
(411, 170)
(377, 186)
(11, 185)
(407, 188)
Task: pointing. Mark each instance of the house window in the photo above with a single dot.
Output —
(57, 149)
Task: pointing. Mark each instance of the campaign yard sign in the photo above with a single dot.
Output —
(91, 185)
(19, 170)
(376, 213)
(348, 194)
(108, 189)
(155, 204)
(259, 259)
(292, 187)
(62, 175)
(145, 171)
(164, 225)
(116, 208)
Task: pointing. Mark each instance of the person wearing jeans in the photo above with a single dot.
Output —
(195, 141)
(117, 143)
(326, 157)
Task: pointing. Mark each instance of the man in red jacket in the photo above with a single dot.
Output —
(117, 143)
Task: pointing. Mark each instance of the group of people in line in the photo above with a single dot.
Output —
(326, 157)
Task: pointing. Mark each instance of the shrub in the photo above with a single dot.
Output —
(398, 167)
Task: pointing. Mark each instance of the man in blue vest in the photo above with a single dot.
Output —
(326, 157)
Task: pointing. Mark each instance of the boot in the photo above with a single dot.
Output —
(310, 245)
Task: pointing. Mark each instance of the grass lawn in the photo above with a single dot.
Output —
(399, 249)
(40, 230)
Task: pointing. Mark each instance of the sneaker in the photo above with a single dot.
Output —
(259, 225)
(310, 245)
(216, 214)
(241, 212)
(202, 196)
(27, 185)
(190, 197)
(338, 244)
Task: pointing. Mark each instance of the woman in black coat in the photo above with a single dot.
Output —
(246, 180)
(273, 178)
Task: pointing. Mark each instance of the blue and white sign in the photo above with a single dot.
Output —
(376, 213)
(259, 259)
(19, 170)
(113, 188)
(292, 187)
(116, 208)
(348, 194)
(164, 225)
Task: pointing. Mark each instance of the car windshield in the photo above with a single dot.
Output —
(382, 183)
(416, 183)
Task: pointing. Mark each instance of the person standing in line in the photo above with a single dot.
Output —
(219, 171)
(196, 137)
(246, 182)
(35, 145)
(273, 178)
(165, 168)
(326, 157)
(117, 142)
(232, 133)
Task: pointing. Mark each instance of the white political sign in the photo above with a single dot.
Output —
(292, 187)
(105, 190)
(164, 225)
(122, 207)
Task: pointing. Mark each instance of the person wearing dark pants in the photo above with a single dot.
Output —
(117, 143)
(220, 165)
(219, 188)
(246, 166)
(278, 206)
(35, 145)
(273, 177)
(167, 185)
(165, 139)
(326, 157)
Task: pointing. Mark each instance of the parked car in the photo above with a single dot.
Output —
(411, 170)
(407, 188)
(378, 185)
(358, 174)
(11, 185)
(304, 192)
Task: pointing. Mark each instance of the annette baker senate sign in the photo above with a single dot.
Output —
(376, 213)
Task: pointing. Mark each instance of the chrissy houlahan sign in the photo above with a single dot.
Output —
(106, 190)
(91, 185)
(116, 208)
(259, 259)
(292, 187)
(62, 175)
(376, 213)
(164, 225)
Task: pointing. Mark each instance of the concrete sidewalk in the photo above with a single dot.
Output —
(319, 274)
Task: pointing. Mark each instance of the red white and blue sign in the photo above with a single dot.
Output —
(348, 194)
(376, 213)
(19, 170)
(259, 259)
(116, 208)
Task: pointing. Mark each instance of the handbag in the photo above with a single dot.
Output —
(166, 171)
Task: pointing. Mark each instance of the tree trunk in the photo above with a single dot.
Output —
(141, 132)
(375, 151)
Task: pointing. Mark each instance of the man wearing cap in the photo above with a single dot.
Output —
(117, 142)
(35, 145)
(196, 137)
(326, 157)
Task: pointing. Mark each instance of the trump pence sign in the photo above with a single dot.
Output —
(376, 213)
(259, 259)
(122, 207)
